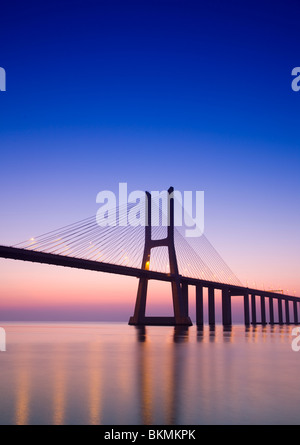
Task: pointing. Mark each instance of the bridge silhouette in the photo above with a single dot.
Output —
(159, 253)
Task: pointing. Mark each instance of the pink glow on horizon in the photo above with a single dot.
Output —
(34, 291)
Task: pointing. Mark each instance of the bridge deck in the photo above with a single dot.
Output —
(78, 263)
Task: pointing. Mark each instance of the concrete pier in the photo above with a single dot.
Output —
(295, 312)
(199, 305)
(185, 298)
(226, 307)
(263, 309)
(271, 310)
(211, 306)
(287, 312)
(280, 317)
(253, 309)
(246, 310)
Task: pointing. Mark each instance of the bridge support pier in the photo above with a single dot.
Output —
(246, 310)
(199, 305)
(253, 309)
(185, 298)
(280, 317)
(211, 306)
(287, 312)
(271, 310)
(140, 304)
(226, 307)
(263, 309)
(295, 312)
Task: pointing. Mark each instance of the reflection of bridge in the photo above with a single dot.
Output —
(85, 245)
(159, 377)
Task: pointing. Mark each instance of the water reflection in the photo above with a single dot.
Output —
(172, 369)
(227, 333)
(115, 374)
(59, 386)
(95, 384)
(200, 333)
(23, 386)
(181, 334)
(144, 376)
(214, 333)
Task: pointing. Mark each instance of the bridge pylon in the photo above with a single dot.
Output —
(180, 307)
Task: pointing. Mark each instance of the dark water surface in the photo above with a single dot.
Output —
(112, 373)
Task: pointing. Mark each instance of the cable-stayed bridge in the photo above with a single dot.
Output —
(154, 252)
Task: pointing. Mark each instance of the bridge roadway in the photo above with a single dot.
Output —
(228, 290)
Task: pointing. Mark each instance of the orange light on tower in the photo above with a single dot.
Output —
(147, 265)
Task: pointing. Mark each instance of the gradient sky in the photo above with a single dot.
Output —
(186, 93)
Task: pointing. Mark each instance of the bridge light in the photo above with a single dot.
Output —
(147, 265)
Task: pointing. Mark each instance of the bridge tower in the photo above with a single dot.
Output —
(180, 305)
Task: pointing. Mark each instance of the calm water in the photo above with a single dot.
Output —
(111, 373)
